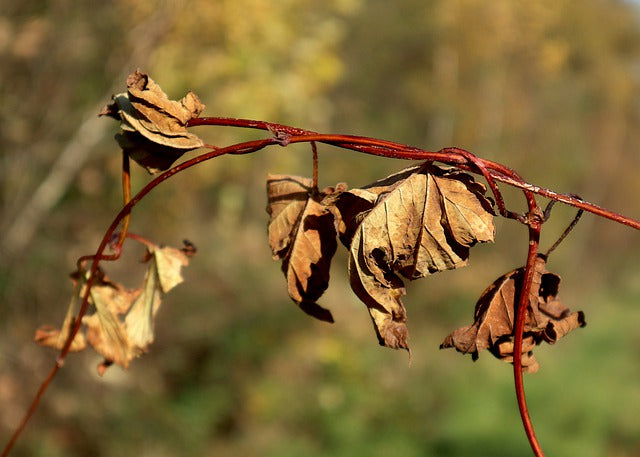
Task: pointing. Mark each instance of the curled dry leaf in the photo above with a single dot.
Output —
(121, 328)
(416, 222)
(107, 336)
(493, 328)
(105, 331)
(302, 234)
(154, 128)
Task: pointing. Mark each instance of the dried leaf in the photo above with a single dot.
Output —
(504, 351)
(384, 300)
(139, 321)
(493, 328)
(108, 338)
(163, 274)
(350, 209)
(105, 331)
(416, 222)
(154, 128)
(168, 264)
(302, 234)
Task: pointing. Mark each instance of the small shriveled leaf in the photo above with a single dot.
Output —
(493, 328)
(163, 274)
(154, 128)
(302, 234)
(138, 323)
(168, 264)
(557, 328)
(416, 222)
(105, 332)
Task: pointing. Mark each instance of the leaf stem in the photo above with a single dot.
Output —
(565, 233)
(126, 196)
(314, 150)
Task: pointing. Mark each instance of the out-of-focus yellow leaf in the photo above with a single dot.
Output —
(105, 331)
(163, 274)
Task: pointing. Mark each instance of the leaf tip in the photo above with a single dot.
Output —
(317, 311)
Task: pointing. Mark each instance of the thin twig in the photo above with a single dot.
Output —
(126, 196)
(565, 233)
(314, 150)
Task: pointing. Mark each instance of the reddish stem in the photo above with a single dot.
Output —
(314, 150)
(126, 195)
(452, 156)
(534, 222)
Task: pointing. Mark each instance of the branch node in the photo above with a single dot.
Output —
(282, 138)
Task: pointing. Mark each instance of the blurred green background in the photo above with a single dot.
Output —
(550, 88)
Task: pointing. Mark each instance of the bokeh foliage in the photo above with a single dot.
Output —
(550, 88)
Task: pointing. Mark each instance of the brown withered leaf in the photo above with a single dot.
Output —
(383, 299)
(350, 209)
(302, 234)
(414, 223)
(493, 328)
(503, 350)
(154, 128)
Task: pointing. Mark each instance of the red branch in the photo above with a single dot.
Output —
(534, 222)
(452, 156)
(284, 135)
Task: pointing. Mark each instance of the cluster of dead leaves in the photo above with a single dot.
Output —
(414, 223)
(120, 327)
(547, 319)
(411, 224)
(153, 127)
